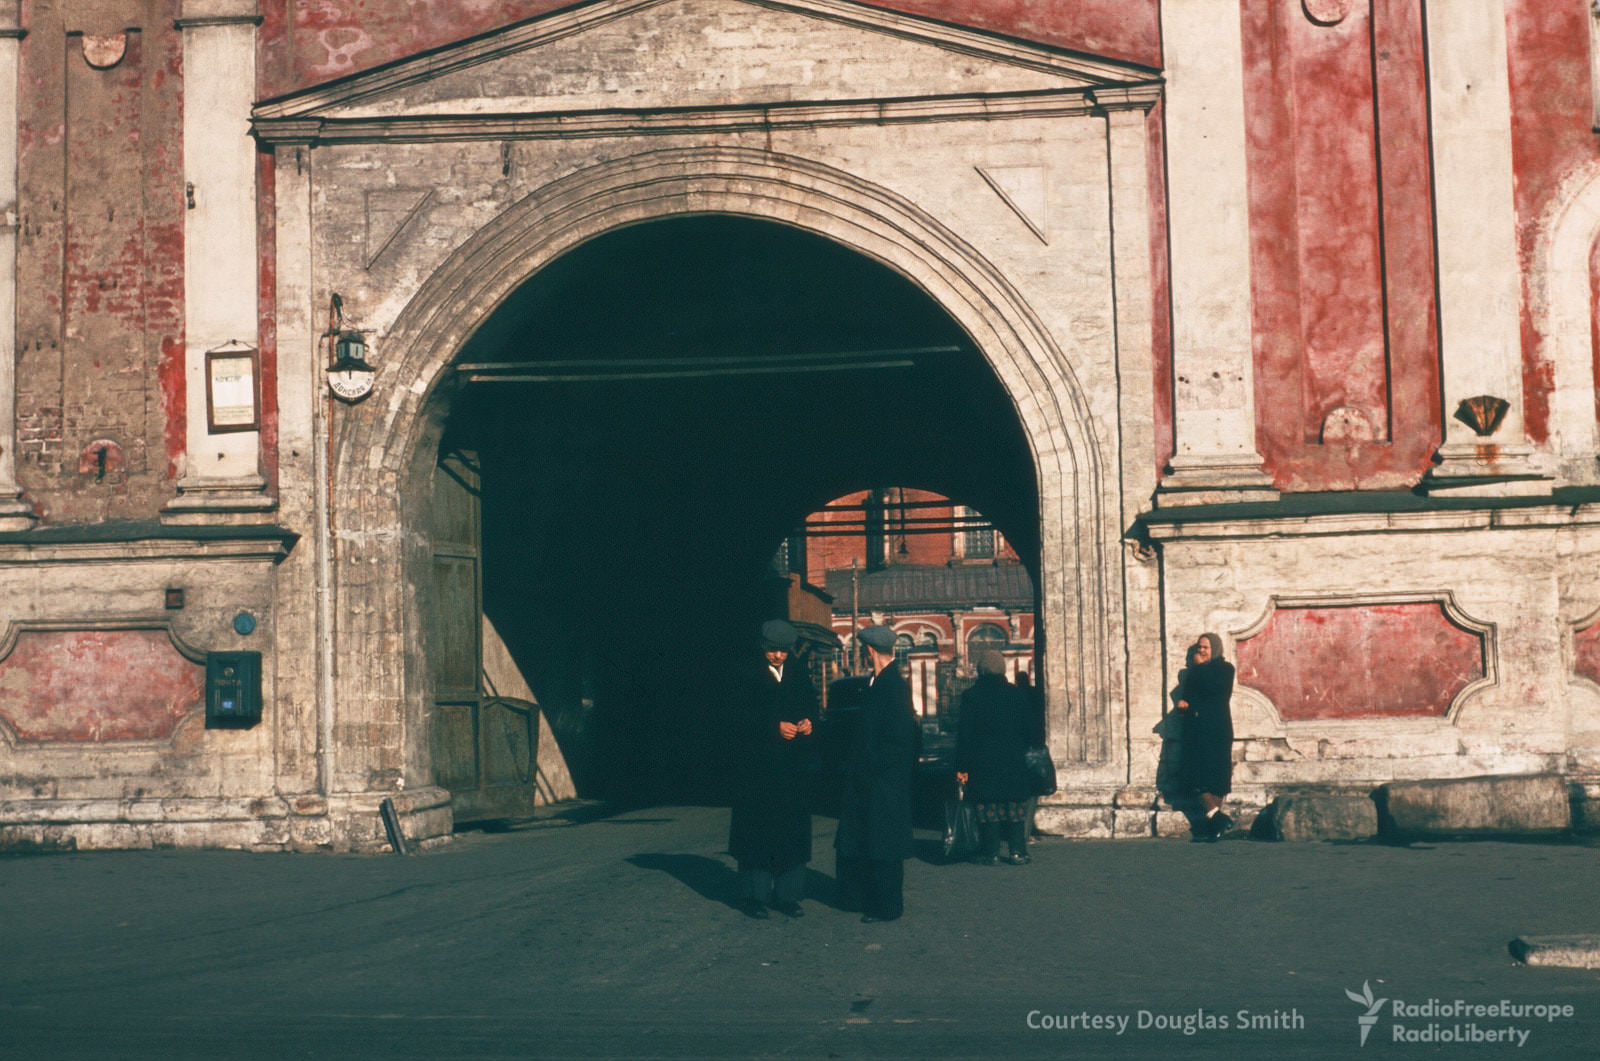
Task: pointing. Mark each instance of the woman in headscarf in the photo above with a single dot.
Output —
(1207, 762)
(992, 740)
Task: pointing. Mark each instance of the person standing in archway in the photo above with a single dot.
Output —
(1206, 759)
(874, 836)
(992, 741)
(769, 834)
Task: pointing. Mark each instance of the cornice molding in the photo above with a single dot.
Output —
(559, 125)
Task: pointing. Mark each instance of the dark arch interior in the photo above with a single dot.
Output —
(629, 516)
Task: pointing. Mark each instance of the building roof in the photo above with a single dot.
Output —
(903, 587)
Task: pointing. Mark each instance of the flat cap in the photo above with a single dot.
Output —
(778, 635)
(878, 637)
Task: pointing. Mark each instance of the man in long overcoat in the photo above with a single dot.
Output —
(874, 836)
(770, 832)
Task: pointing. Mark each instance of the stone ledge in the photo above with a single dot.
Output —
(1522, 805)
(142, 812)
(1568, 952)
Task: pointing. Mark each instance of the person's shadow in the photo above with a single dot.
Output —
(1169, 767)
(713, 880)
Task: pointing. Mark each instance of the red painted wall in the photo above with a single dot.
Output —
(100, 260)
(1552, 144)
(1586, 653)
(1341, 244)
(1367, 661)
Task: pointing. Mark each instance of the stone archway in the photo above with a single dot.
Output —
(385, 452)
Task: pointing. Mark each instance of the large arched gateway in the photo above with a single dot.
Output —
(428, 194)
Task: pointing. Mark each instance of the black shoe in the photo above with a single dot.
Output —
(1016, 858)
(1203, 834)
(873, 919)
(985, 860)
(751, 908)
(789, 909)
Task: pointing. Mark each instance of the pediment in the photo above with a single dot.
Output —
(677, 56)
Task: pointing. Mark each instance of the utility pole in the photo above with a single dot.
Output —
(855, 614)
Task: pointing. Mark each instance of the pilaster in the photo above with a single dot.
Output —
(16, 513)
(221, 469)
(1485, 449)
(1214, 422)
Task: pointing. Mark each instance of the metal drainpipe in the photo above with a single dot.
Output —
(322, 444)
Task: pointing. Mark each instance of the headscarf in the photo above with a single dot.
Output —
(990, 661)
(1216, 645)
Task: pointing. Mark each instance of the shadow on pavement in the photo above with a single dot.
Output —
(713, 880)
(707, 877)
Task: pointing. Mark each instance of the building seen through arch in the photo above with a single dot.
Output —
(936, 572)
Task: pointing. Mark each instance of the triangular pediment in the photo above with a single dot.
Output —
(678, 55)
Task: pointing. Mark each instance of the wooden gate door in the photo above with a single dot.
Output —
(485, 746)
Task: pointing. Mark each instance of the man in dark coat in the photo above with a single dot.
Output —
(874, 837)
(770, 832)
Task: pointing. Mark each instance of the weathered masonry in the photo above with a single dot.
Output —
(1273, 318)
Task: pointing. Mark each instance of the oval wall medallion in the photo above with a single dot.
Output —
(1326, 12)
(103, 53)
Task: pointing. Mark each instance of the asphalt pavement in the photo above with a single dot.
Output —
(586, 934)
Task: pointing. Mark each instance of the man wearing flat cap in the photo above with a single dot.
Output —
(874, 837)
(770, 833)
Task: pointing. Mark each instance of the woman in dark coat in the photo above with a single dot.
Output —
(992, 739)
(770, 832)
(1207, 758)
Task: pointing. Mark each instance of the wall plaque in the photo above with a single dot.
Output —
(232, 391)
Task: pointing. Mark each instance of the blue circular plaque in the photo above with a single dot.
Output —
(244, 623)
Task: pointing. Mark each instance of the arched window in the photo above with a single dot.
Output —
(902, 648)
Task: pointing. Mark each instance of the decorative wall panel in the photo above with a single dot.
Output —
(1369, 660)
(97, 685)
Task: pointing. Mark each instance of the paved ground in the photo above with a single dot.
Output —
(614, 937)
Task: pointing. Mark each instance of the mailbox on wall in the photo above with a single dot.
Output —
(233, 689)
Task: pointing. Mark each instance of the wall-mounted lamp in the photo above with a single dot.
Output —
(350, 378)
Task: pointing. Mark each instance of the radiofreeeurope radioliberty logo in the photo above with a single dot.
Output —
(1370, 1017)
(1456, 1020)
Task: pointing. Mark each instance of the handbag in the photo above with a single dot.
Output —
(960, 825)
(1042, 771)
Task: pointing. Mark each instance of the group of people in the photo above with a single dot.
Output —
(770, 832)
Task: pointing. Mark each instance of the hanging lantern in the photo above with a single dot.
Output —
(350, 377)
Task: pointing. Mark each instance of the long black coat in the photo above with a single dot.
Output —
(993, 736)
(771, 824)
(875, 804)
(1207, 755)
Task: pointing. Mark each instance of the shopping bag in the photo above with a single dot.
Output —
(1043, 771)
(960, 825)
